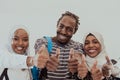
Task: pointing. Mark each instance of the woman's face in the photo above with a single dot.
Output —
(92, 46)
(20, 41)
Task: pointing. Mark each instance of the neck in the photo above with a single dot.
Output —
(54, 39)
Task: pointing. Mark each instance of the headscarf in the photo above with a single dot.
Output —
(100, 58)
(11, 35)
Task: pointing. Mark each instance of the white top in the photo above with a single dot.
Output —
(101, 56)
(8, 60)
(16, 63)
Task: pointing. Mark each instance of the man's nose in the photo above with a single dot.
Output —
(64, 31)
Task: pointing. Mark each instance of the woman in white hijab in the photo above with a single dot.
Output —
(97, 60)
(18, 44)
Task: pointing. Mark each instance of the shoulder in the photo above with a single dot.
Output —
(41, 40)
(75, 43)
(77, 46)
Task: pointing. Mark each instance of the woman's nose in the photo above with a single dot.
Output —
(91, 45)
(20, 42)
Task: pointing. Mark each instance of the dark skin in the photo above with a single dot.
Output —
(91, 43)
(53, 61)
(65, 30)
(41, 57)
(82, 68)
(73, 62)
(96, 73)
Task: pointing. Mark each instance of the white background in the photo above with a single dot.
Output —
(40, 16)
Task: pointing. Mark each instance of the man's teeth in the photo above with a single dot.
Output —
(62, 37)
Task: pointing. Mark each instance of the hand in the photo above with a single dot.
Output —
(96, 72)
(53, 61)
(41, 58)
(82, 68)
(106, 69)
(73, 62)
(29, 61)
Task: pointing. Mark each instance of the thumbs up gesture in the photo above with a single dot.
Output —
(41, 58)
(96, 73)
(82, 68)
(72, 62)
(53, 61)
(107, 67)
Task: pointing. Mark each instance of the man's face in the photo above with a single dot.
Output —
(65, 29)
(20, 41)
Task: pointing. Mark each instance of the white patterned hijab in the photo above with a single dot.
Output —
(11, 35)
(101, 56)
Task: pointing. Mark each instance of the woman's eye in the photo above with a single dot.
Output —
(86, 42)
(15, 39)
(95, 41)
(25, 40)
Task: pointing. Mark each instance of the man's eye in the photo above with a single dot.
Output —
(70, 29)
(61, 26)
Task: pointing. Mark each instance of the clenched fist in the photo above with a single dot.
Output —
(96, 73)
(53, 62)
(41, 57)
(82, 68)
(107, 67)
(73, 61)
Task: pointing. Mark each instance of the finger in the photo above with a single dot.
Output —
(108, 60)
(94, 65)
(83, 59)
(53, 61)
(40, 49)
(71, 53)
(39, 53)
(57, 52)
(50, 66)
